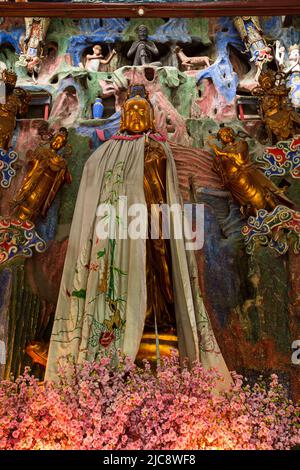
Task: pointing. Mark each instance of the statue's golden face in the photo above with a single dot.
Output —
(226, 135)
(137, 116)
(58, 142)
(266, 81)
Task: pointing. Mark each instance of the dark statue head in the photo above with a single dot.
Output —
(142, 32)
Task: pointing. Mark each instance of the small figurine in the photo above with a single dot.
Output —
(143, 51)
(48, 172)
(291, 70)
(16, 103)
(93, 61)
(249, 187)
(279, 118)
(251, 34)
(190, 62)
(32, 54)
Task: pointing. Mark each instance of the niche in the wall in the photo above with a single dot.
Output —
(239, 61)
(39, 106)
(66, 107)
(50, 58)
(193, 49)
(50, 51)
(163, 49)
(106, 50)
(247, 107)
(8, 55)
(109, 104)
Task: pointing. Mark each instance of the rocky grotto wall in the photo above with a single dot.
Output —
(253, 299)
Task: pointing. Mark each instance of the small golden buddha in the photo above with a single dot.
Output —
(279, 118)
(249, 187)
(48, 172)
(17, 101)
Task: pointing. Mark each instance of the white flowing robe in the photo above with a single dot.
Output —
(103, 294)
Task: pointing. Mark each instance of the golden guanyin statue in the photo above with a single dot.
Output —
(131, 293)
(249, 187)
(279, 117)
(16, 103)
(48, 172)
(137, 117)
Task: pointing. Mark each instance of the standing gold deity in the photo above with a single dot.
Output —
(48, 172)
(138, 118)
(249, 187)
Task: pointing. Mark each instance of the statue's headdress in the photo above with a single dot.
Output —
(294, 47)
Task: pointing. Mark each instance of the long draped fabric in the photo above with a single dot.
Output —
(103, 294)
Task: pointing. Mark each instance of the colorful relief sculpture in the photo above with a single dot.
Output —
(291, 68)
(18, 239)
(190, 63)
(95, 60)
(251, 33)
(47, 173)
(282, 159)
(33, 47)
(249, 187)
(143, 51)
(280, 119)
(7, 171)
(16, 103)
(279, 230)
(116, 287)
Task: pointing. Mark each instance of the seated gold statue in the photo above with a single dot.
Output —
(17, 101)
(48, 171)
(279, 118)
(249, 187)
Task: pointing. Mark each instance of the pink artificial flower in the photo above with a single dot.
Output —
(106, 338)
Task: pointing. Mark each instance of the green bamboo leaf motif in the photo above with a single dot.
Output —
(101, 253)
(80, 294)
(119, 271)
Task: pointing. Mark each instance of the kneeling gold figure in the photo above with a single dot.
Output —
(249, 187)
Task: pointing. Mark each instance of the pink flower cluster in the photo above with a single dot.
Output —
(95, 406)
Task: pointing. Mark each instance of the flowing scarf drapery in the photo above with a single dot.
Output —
(103, 294)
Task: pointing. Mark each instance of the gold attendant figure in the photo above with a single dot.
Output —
(48, 172)
(249, 187)
(280, 119)
(17, 101)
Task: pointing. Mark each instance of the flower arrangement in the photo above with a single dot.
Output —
(97, 406)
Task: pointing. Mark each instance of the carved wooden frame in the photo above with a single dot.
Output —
(151, 10)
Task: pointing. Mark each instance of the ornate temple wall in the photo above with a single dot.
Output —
(253, 300)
